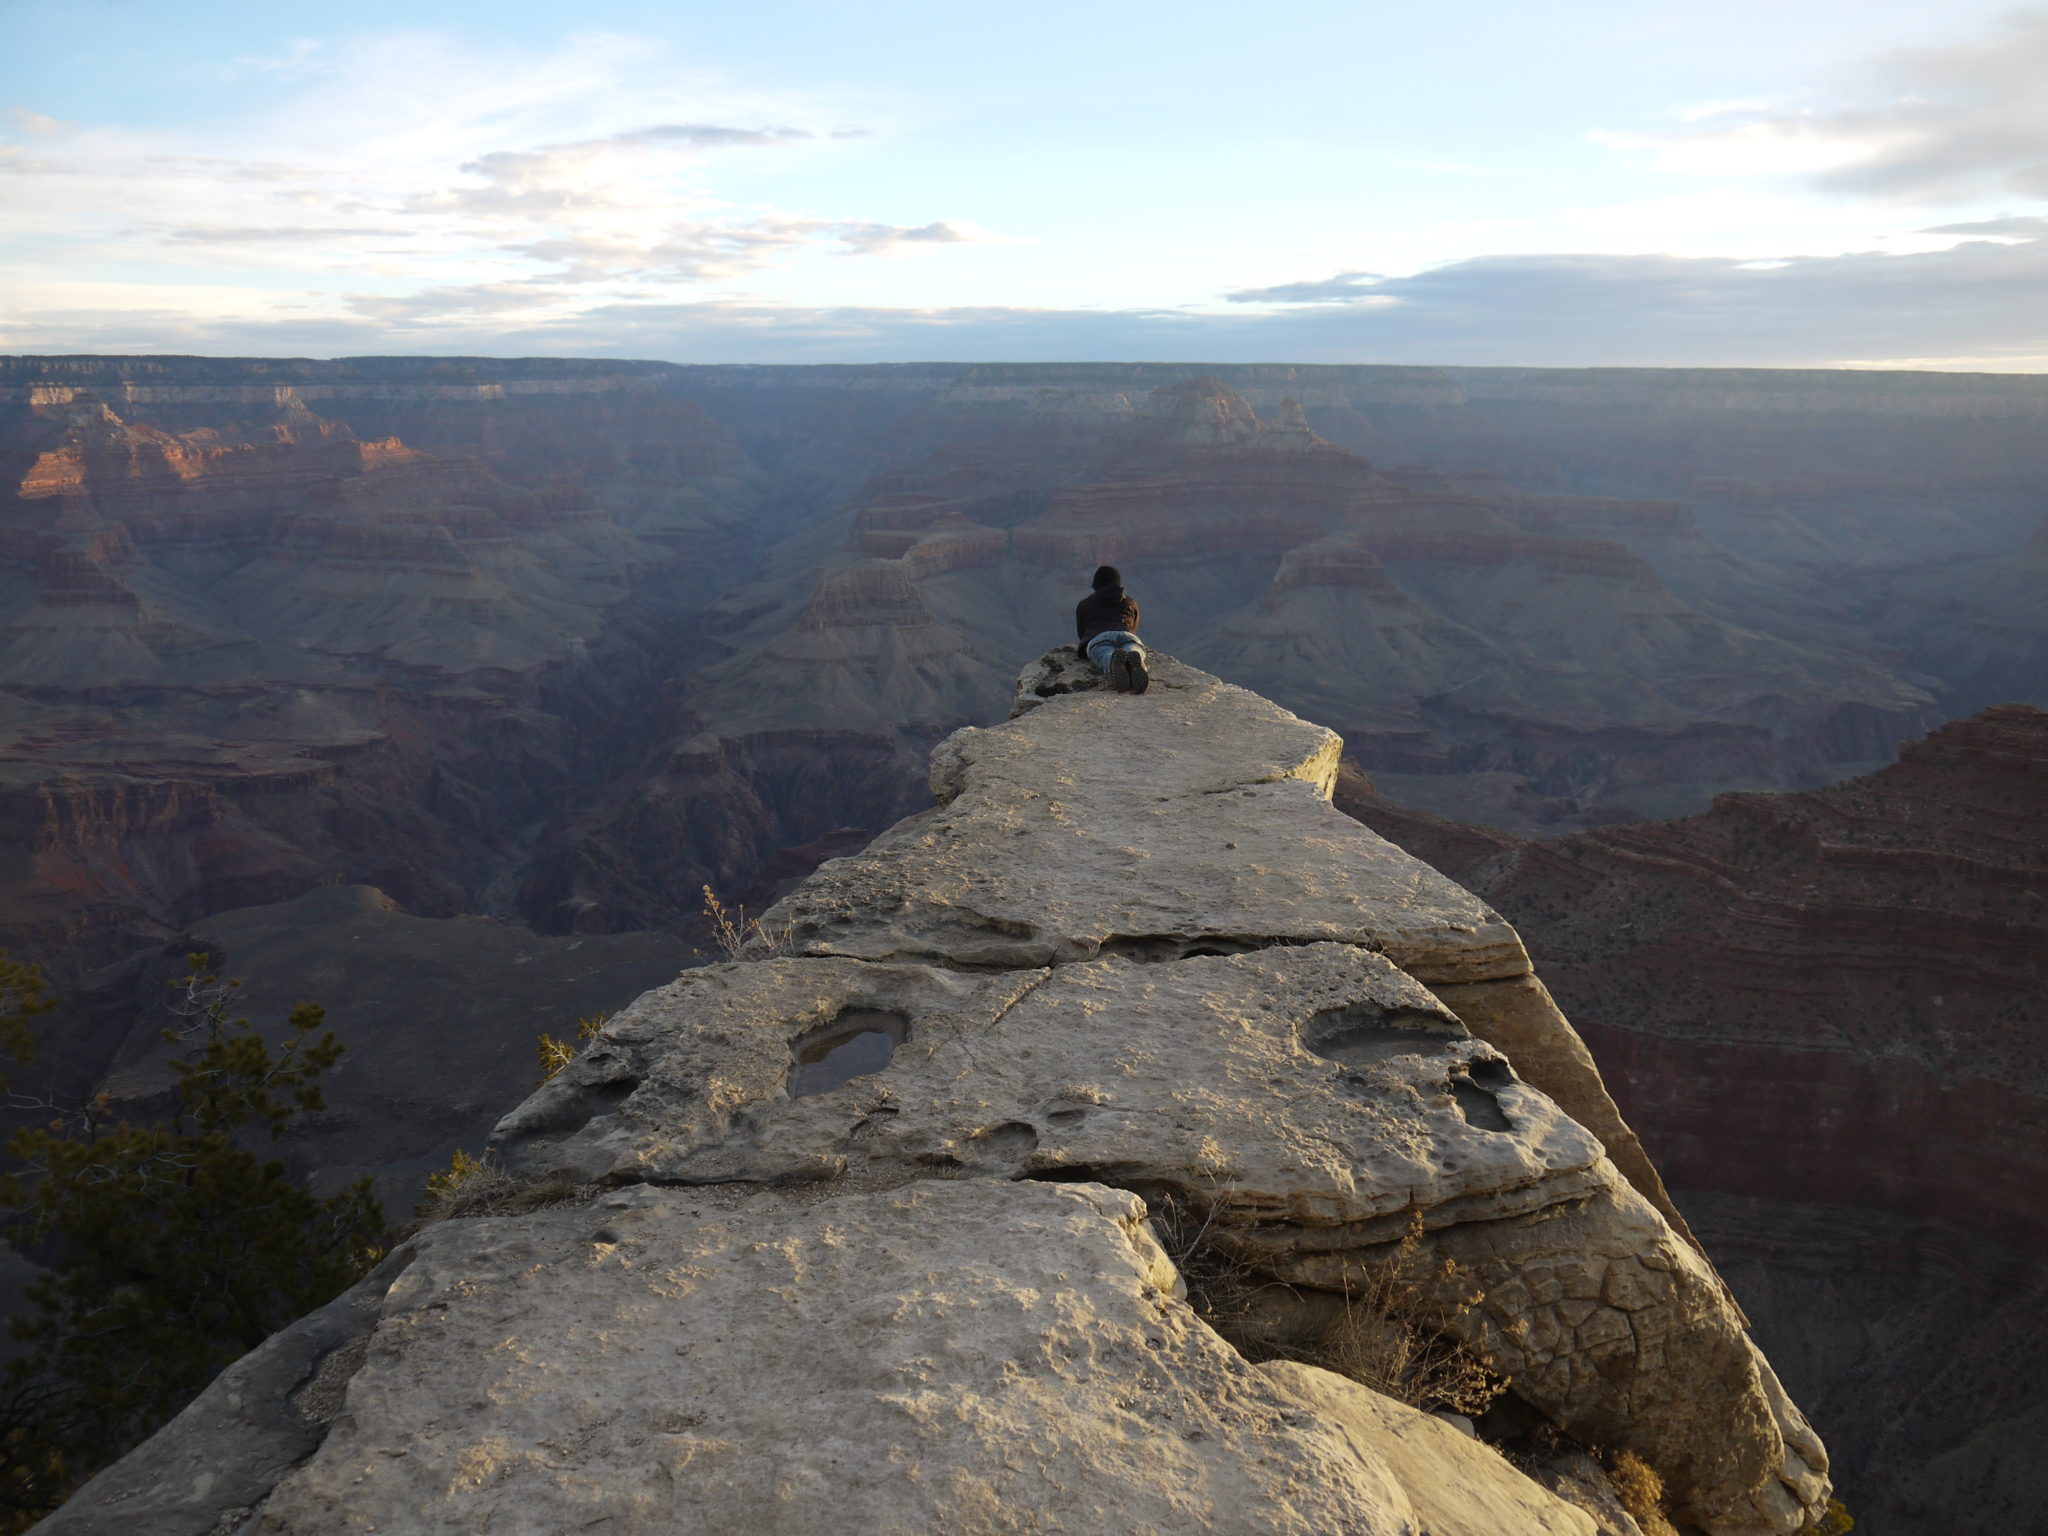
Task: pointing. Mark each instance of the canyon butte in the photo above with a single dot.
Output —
(438, 689)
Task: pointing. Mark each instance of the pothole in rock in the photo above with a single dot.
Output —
(1011, 1142)
(1480, 1108)
(859, 1041)
(1491, 1072)
(1361, 1034)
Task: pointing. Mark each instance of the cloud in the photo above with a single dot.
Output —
(1943, 123)
(493, 303)
(2017, 226)
(230, 234)
(709, 250)
(710, 136)
(37, 124)
(1980, 305)
(300, 56)
(599, 208)
(861, 239)
(597, 198)
(508, 172)
(611, 171)
(1344, 286)
(1980, 299)
(523, 184)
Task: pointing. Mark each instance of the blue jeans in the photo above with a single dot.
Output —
(1110, 641)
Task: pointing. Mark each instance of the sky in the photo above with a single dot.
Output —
(1764, 183)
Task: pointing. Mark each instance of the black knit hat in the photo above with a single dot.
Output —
(1107, 576)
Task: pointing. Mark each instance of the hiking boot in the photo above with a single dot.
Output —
(1136, 678)
(1120, 671)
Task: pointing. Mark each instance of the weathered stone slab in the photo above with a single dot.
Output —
(1449, 1475)
(1615, 1327)
(1308, 1101)
(949, 1357)
(1192, 819)
(1311, 1086)
(1518, 1015)
(864, 1268)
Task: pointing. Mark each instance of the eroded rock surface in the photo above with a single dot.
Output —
(948, 1357)
(1193, 819)
(1155, 826)
(874, 1249)
(1830, 1007)
(1314, 1086)
(1305, 1102)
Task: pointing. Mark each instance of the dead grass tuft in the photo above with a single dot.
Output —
(1641, 1492)
(1388, 1335)
(477, 1186)
(740, 937)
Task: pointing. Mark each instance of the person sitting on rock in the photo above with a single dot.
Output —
(1107, 620)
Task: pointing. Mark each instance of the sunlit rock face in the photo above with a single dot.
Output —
(1826, 1011)
(941, 1356)
(923, 1288)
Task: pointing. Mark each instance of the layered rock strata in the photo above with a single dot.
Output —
(1828, 1007)
(247, 649)
(875, 1252)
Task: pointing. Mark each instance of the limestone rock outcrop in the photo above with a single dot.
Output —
(952, 1357)
(866, 1232)
(1176, 850)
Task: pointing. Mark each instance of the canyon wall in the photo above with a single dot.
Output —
(566, 640)
(920, 1215)
(249, 649)
(1826, 1009)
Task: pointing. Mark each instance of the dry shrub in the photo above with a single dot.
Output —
(1222, 1290)
(740, 937)
(1387, 1335)
(1641, 1492)
(556, 1054)
(477, 1186)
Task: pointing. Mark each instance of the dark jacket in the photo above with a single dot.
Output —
(1104, 609)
